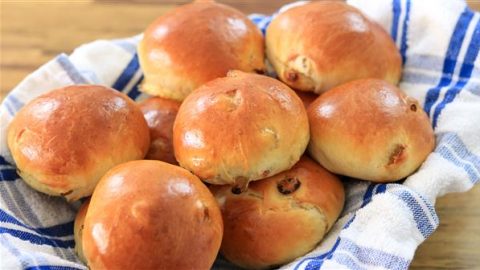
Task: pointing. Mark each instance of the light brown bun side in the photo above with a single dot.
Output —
(64, 141)
(306, 97)
(160, 114)
(194, 44)
(150, 214)
(320, 45)
(78, 230)
(268, 226)
(369, 129)
(240, 128)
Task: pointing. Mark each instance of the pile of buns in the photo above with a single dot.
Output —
(222, 158)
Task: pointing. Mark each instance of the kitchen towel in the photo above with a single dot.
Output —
(381, 225)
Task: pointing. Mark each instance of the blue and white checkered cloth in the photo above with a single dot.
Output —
(382, 224)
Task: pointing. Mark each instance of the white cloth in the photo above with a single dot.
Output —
(381, 225)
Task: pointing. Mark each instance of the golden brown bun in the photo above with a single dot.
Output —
(369, 129)
(78, 230)
(150, 214)
(280, 218)
(319, 45)
(194, 44)
(160, 114)
(240, 128)
(64, 141)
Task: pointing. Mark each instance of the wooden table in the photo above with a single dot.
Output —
(34, 32)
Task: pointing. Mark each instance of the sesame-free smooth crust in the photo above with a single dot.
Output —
(65, 140)
(322, 44)
(240, 128)
(369, 129)
(149, 214)
(196, 43)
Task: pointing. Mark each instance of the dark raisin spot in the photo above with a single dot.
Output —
(236, 190)
(288, 185)
(206, 214)
(265, 173)
(413, 107)
(240, 186)
(397, 154)
(259, 71)
(66, 193)
(292, 76)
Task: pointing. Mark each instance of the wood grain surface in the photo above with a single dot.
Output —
(33, 32)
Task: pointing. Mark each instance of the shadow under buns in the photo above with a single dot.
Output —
(240, 128)
(149, 214)
(78, 230)
(194, 44)
(320, 45)
(279, 218)
(160, 114)
(369, 129)
(65, 140)
(306, 97)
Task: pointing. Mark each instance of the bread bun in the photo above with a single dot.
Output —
(150, 214)
(280, 218)
(65, 140)
(240, 128)
(369, 129)
(78, 230)
(319, 45)
(160, 114)
(194, 44)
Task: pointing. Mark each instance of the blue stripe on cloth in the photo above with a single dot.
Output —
(51, 267)
(415, 77)
(261, 21)
(450, 61)
(23, 257)
(404, 45)
(3, 161)
(381, 188)
(447, 154)
(8, 175)
(38, 240)
(465, 73)
(368, 195)
(17, 104)
(419, 215)
(345, 258)
(318, 260)
(127, 74)
(59, 230)
(134, 92)
(70, 69)
(372, 257)
(7, 106)
(396, 9)
(458, 147)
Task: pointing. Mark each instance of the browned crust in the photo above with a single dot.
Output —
(369, 129)
(65, 140)
(240, 128)
(196, 43)
(160, 114)
(322, 44)
(266, 227)
(151, 215)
